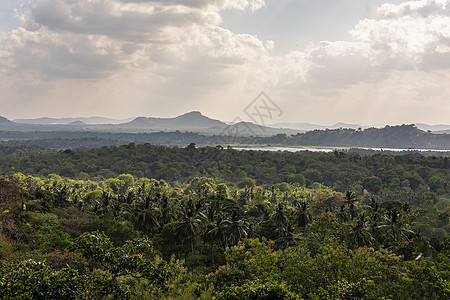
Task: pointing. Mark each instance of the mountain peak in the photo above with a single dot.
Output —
(193, 113)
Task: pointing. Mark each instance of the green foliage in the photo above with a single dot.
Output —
(118, 232)
(51, 238)
(280, 239)
(35, 280)
(135, 258)
(372, 184)
(254, 291)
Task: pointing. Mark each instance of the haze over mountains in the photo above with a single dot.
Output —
(178, 130)
(71, 121)
(197, 128)
(192, 121)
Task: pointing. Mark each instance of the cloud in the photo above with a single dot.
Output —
(253, 5)
(410, 30)
(422, 8)
(94, 38)
(157, 54)
(51, 56)
(390, 63)
(411, 36)
(140, 22)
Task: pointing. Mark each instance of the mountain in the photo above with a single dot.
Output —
(4, 120)
(190, 121)
(246, 129)
(404, 136)
(67, 121)
(298, 126)
(442, 132)
(77, 123)
(309, 126)
(344, 134)
(439, 128)
(140, 123)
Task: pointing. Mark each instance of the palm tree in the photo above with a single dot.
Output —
(167, 209)
(216, 232)
(375, 219)
(395, 227)
(236, 229)
(301, 214)
(279, 216)
(191, 224)
(287, 237)
(350, 199)
(146, 215)
(361, 230)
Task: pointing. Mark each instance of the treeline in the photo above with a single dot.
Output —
(137, 238)
(94, 139)
(413, 178)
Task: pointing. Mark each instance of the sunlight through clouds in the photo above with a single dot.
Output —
(158, 56)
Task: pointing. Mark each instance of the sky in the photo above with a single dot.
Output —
(369, 62)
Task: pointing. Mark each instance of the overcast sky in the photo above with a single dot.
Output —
(321, 61)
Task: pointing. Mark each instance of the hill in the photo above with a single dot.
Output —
(435, 128)
(404, 136)
(4, 120)
(310, 127)
(190, 121)
(68, 121)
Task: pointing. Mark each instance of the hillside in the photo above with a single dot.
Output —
(404, 136)
(190, 121)
(4, 120)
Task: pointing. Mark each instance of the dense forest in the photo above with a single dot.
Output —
(413, 172)
(153, 222)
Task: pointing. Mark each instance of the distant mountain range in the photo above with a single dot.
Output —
(340, 134)
(71, 121)
(193, 122)
(309, 126)
(441, 128)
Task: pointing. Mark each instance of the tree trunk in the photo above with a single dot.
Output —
(193, 254)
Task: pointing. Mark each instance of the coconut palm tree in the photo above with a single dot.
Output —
(350, 199)
(288, 237)
(146, 215)
(395, 227)
(361, 230)
(279, 216)
(236, 229)
(301, 214)
(191, 224)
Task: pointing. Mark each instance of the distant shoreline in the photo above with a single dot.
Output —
(325, 149)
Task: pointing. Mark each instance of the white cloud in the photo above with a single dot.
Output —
(253, 5)
(400, 38)
(422, 8)
(155, 55)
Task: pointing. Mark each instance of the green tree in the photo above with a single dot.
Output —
(191, 225)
